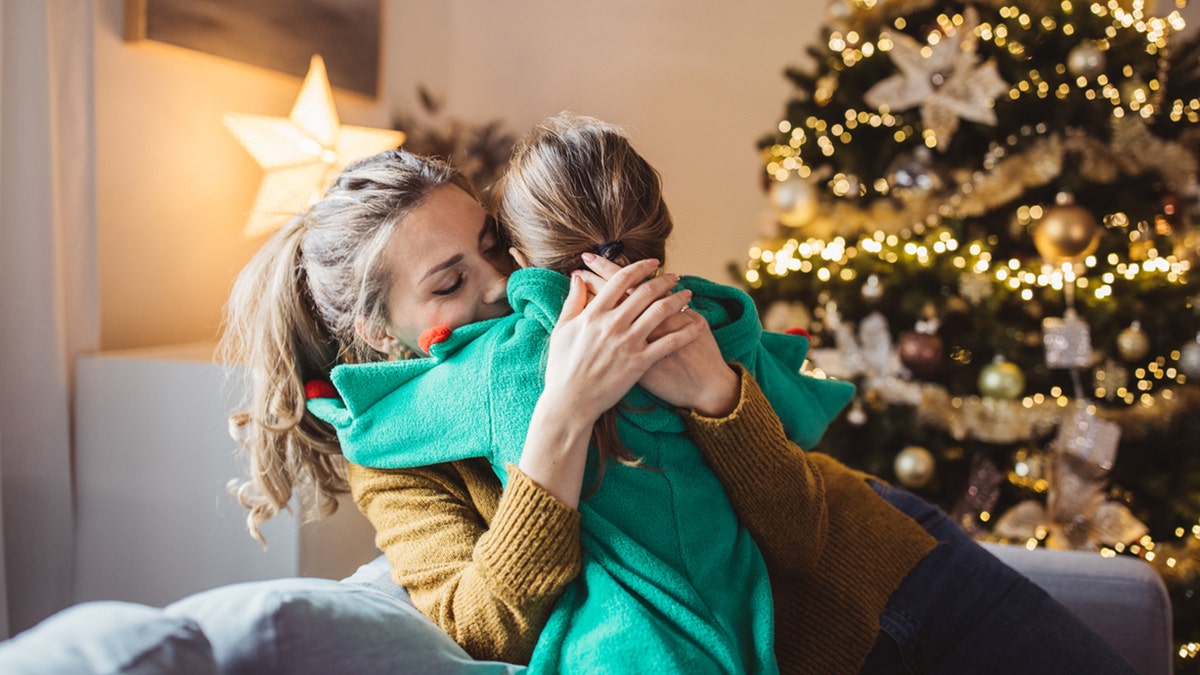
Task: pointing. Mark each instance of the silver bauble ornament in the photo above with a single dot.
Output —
(856, 415)
(1001, 379)
(913, 176)
(1189, 358)
(872, 289)
(795, 201)
(1086, 60)
(1066, 232)
(914, 466)
(1132, 343)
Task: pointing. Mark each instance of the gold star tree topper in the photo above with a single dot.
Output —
(302, 153)
(943, 78)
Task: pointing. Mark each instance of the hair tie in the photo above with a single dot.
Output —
(611, 249)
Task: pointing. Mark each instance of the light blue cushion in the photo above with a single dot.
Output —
(376, 575)
(320, 626)
(109, 637)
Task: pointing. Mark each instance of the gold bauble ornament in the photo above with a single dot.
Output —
(1065, 233)
(1132, 343)
(1001, 379)
(796, 201)
(914, 466)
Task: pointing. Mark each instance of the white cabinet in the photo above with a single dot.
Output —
(152, 458)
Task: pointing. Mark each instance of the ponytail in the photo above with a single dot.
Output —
(271, 330)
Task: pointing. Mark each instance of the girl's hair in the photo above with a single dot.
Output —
(292, 317)
(576, 184)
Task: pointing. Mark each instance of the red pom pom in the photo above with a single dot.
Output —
(797, 331)
(433, 336)
(319, 389)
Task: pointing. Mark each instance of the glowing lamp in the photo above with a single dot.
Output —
(302, 153)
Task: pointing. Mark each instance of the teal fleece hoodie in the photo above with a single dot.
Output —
(670, 581)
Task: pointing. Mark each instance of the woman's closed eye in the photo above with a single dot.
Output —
(453, 287)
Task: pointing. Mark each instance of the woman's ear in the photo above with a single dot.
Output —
(518, 257)
(379, 338)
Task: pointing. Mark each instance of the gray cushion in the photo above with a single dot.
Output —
(109, 637)
(321, 626)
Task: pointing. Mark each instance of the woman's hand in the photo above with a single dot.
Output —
(598, 350)
(694, 376)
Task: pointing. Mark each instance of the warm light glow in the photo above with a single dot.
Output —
(302, 153)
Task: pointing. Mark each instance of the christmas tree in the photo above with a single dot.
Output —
(985, 216)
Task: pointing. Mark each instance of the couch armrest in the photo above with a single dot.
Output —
(1122, 599)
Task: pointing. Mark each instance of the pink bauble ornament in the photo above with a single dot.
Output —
(921, 353)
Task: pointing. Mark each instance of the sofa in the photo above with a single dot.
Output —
(319, 626)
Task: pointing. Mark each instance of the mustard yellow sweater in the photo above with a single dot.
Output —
(487, 565)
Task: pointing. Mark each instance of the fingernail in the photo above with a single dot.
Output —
(588, 256)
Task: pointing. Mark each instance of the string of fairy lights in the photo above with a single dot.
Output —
(828, 261)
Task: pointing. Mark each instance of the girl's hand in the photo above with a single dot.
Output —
(598, 350)
(695, 376)
(601, 347)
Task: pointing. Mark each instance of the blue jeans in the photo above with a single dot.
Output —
(961, 610)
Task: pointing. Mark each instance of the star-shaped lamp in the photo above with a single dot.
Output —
(302, 153)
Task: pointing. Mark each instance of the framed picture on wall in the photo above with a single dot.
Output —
(277, 34)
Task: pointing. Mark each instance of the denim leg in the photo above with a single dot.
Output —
(961, 610)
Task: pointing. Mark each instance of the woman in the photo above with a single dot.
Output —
(488, 565)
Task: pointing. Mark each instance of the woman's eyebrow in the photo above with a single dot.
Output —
(448, 263)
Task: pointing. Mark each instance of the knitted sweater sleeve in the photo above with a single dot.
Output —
(768, 478)
(490, 585)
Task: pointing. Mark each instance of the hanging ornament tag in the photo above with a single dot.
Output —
(1068, 341)
(1089, 438)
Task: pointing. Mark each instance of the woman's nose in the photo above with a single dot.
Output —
(496, 289)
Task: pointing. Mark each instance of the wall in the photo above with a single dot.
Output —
(696, 85)
(173, 185)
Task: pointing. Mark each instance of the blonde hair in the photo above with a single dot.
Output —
(292, 315)
(576, 184)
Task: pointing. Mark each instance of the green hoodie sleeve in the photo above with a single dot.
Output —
(805, 405)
